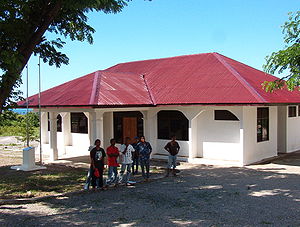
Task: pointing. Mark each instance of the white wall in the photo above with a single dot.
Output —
(293, 135)
(219, 139)
(255, 151)
(80, 144)
(184, 147)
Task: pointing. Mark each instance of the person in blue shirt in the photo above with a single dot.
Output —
(144, 150)
(135, 156)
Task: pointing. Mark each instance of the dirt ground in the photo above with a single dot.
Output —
(261, 195)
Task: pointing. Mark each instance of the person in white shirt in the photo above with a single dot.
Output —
(126, 151)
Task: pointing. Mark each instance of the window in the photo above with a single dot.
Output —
(132, 129)
(262, 124)
(79, 123)
(299, 110)
(225, 115)
(59, 123)
(172, 123)
(292, 111)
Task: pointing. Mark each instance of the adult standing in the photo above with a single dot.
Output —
(112, 154)
(144, 148)
(126, 151)
(173, 148)
(97, 155)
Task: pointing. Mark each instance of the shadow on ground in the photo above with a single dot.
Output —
(200, 196)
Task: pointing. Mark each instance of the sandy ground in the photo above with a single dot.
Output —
(261, 195)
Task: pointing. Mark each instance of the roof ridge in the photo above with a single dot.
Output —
(149, 91)
(154, 59)
(95, 88)
(238, 76)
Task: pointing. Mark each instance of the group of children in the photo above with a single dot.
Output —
(130, 156)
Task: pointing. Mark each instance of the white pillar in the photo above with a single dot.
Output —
(66, 130)
(99, 126)
(91, 126)
(53, 136)
(108, 127)
(193, 124)
(44, 128)
(151, 129)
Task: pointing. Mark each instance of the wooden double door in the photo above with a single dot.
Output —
(129, 127)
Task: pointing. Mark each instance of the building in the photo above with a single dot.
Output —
(213, 104)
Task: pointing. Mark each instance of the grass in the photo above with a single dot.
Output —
(53, 180)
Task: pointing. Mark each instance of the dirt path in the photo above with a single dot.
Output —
(201, 196)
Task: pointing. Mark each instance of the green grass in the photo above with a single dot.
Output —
(53, 180)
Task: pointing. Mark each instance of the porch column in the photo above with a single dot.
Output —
(99, 126)
(193, 123)
(91, 126)
(53, 136)
(66, 130)
(44, 128)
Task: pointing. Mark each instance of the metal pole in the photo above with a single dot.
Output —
(27, 118)
(40, 113)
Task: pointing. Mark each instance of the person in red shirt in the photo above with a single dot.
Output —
(112, 154)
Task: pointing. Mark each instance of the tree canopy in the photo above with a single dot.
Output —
(23, 24)
(288, 59)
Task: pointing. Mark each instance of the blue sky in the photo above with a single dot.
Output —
(244, 30)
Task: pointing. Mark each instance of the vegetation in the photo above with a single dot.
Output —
(53, 180)
(288, 59)
(13, 124)
(23, 24)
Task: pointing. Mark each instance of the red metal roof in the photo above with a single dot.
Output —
(192, 79)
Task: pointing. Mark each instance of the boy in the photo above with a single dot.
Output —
(173, 148)
(112, 153)
(126, 151)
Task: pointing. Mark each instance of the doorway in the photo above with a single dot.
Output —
(127, 124)
(129, 127)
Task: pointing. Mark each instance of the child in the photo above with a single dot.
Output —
(173, 148)
(112, 154)
(126, 151)
(97, 156)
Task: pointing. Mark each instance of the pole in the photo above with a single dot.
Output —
(27, 117)
(40, 113)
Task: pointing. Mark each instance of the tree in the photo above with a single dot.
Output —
(288, 59)
(23, 24)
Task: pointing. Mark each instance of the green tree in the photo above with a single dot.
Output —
(23, 24)
(288, 59)
(29, 123)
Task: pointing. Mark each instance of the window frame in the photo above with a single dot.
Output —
(227, 115)
(294, 113)
(264, 121)
(59, 123)
(79, 119)
(169, 122)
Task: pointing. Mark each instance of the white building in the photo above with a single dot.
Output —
(214, 105)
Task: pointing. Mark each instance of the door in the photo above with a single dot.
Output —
(129, 127)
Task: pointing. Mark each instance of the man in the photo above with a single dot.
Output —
(135, 156)
(173, 148)
(112, 153)
(97, 155)
(144, 148)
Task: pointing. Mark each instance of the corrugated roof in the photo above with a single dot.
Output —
(192, 79)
